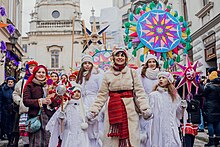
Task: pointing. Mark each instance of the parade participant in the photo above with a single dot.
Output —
(55, 77)
(211, 108)
(35, 98)
(64, 80)
(167, 108)
(90, 78)
(148, 77)
(117, 91)
(18, 99)
(73, 76)
(2, 134)
(75, 125)
(8, 115)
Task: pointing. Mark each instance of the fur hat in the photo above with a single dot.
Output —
(150, 56)
(213, 75)
(87, 58)
(119, 50)
(168, 75)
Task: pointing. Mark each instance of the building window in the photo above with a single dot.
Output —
(24, 46)
(55, 59)
(205, 2)
(56, 14)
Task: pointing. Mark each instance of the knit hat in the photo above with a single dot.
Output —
(32, 62)
(150, 56)
(10, 78)
(168, 75)
(213, 75)
(77, 87)
(86, 58)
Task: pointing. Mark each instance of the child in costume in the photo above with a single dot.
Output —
(167, 109)
(73, 120)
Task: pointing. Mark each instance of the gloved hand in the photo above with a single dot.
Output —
(183, 103)
(147, 115)
(143, 137)
(61, 115)
(91, 118)
(90, 115)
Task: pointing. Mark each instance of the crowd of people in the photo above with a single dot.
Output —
(121, 107)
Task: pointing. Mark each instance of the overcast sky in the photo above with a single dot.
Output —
(86, 6)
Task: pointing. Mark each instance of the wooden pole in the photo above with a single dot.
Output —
(72, 59)
(184, 97)
(62, 109)
(84, 29)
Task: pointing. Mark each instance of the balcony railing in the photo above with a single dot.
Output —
(54, 24)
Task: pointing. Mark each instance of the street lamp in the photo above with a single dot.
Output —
(13, 41)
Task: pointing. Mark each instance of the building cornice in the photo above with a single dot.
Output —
(48, 33)
(206, 27)
(205, 9)
(58, 3)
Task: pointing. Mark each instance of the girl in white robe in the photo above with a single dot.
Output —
(74, 123)
(90, 78)
(148, 77)
(167, 108)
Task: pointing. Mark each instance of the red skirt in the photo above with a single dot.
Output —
(191, 129)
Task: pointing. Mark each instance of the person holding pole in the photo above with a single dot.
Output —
(167, 109)
(75, 124)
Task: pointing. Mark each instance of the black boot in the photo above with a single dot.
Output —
(216, 141)
(26, 145)
(210, 143)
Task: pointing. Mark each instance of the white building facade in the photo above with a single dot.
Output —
(51, 41)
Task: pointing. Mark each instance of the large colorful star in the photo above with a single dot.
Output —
(159, 31)
(188, 75)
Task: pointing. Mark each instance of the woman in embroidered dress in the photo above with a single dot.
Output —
(36, 99)
(18, 99)
(148, 76)
(121, 119)
(167, 108)
(90, 79)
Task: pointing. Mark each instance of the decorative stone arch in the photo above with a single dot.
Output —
(54, 47)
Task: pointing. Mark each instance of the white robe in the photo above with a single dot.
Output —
(164, 129)
(145, 125)
(73, 135)
(90, 89)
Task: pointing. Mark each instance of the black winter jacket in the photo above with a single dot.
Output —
(212, 101)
